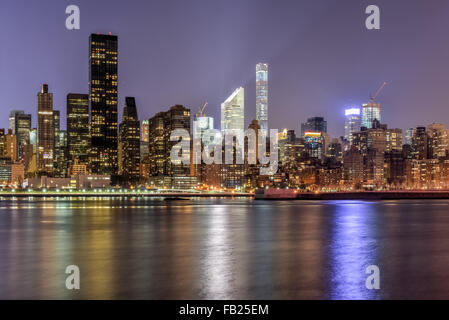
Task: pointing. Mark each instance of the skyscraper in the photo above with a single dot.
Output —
(61, 155)
(78, 138)
(419, 143)
(438, 140)
(103, 77)
(314, 144)
(262, 96)
(161, 127)
(370, 111)
(352, 122)
(45, 131)
(201, 125)
(233, 112)
(22, 131)
(144, 131)
(130, 142)
(57, 126)
(12, 119)
(315, 124)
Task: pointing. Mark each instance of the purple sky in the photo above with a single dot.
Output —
(321, 57)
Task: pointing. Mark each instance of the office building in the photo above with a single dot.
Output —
(78, 137)
(262, 96)
(233, 113)
(45, 131)
(103, 83)
(130, 143)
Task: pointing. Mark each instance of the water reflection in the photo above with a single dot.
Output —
(353, 249)
(222, 248)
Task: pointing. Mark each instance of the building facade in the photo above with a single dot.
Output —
(262, 96)
(78, 138)
(233, 112)
(103, 84)
(45, 132)
(130, 143)
(352, 122)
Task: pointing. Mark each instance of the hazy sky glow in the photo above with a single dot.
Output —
(321, 57)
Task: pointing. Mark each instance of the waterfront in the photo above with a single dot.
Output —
(141, 248)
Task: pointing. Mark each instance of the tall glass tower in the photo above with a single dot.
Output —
(262, 96)
(233, 112)
(370, 111)
(352, 122)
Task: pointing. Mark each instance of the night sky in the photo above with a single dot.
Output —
(322, 59)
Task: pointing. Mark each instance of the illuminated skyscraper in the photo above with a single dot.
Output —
(394, 140)
(314, 144)
(161, 167)
(45, 131)
(352, 122)
(419, 143)
(262, 96)
(144, 131)
(370, 111)
(22, 131)
(438, 140)
(103, 77)
(57, 125)
(233, 112)
(78, 127)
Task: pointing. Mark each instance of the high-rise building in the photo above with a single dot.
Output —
(45, 131)
(201, 126)
(12, 119)
(394, 140)
(262, 96)
(10, 146)
(370, 112)
(161, 127)
(314, 124)
(61, 152)
(409, 136)
(314, 144)
(233, 112)
(352, 122)
(78, 137)
(419, 143)
(57, 126)
(33, 139)
(130, 142)
(144, 131)
(103, 83)
(438, 140)
(22, 131)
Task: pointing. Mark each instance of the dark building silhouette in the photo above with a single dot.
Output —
(103, 77)
(315, 124)
(129, 143)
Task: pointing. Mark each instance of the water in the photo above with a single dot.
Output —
(223, 249)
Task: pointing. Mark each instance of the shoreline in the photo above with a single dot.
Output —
(362, 195)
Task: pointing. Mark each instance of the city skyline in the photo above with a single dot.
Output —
(303, 81)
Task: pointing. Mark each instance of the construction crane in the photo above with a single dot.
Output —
(201, 110)
(378, 92)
